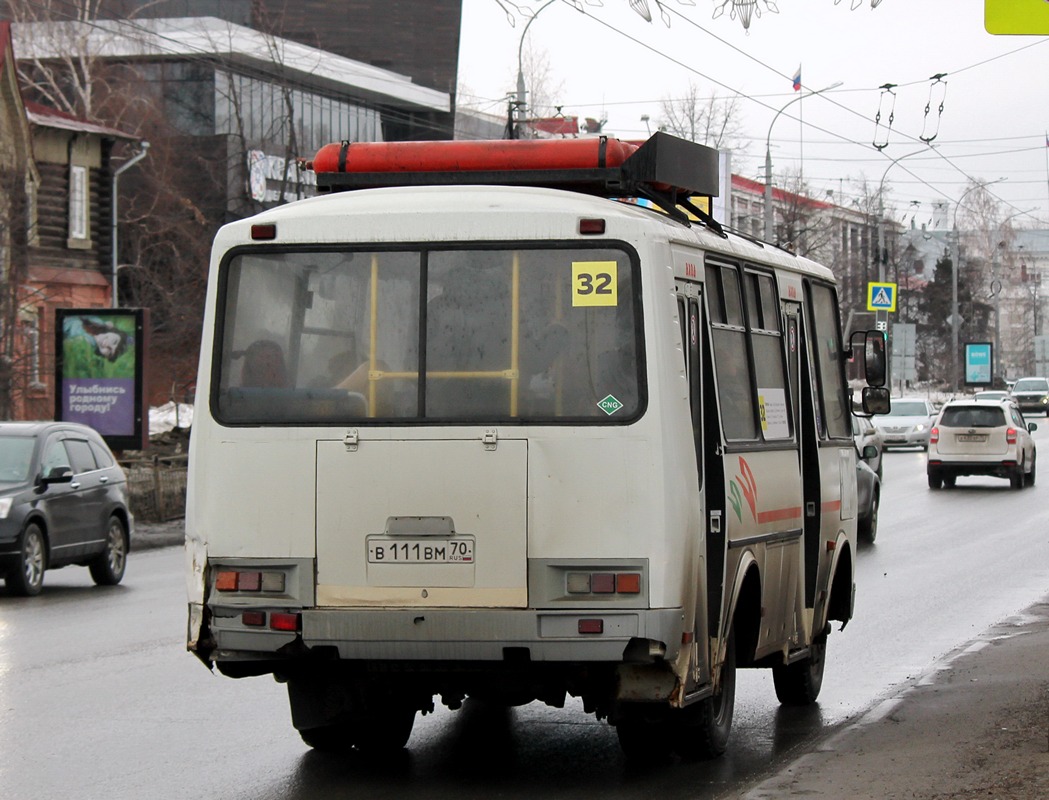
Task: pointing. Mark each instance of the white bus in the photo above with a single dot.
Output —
(498, 430)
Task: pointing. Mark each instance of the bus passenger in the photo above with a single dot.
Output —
(263, 365)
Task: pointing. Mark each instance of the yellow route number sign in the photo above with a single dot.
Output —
(1030, 17)
(594, 283)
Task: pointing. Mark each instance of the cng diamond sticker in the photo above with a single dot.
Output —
(609, 405)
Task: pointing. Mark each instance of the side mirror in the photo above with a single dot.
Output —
(869, 452)
(872, 345)
(875, 400)
(58, 475)
(1032, 427)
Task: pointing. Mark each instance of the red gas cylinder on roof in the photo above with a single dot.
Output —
(472, 156)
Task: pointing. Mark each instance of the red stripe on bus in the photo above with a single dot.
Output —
(779, 514)
(833, 505)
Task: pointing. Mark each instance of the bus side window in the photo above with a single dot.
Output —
(825, 335)
(731, 358)
(766, 342)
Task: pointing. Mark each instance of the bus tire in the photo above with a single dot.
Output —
(706, 725)
(374, 734)
(643, 740)
(799, 683)
(868, 528)
(328, 738)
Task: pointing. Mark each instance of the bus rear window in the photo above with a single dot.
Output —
(498, 335)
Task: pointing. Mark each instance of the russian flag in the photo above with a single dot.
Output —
(797, 79)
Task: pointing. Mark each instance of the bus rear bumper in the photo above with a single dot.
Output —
(490, 634)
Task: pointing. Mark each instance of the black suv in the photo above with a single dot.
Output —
(63, 500)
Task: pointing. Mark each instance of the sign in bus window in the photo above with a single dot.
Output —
(594, 283)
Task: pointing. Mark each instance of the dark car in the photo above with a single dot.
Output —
(63, 500)
(868, 496)
(1031, 395)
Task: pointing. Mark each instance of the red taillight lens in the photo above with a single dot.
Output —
(1010, 436)
(934, 436)
(603, 583)
(231, 580)
(283, 621)
(591, 226)
(591, 626)
(253, 618)
(263, 233)
(628, 583)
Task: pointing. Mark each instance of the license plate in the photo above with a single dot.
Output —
(971, 437)
(421, 551)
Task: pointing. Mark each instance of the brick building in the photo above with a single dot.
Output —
(54, 218)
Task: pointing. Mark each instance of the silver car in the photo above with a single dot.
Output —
(976, 437)
(864, 433)
(1031, 395)
(907, 424)
(63, 501)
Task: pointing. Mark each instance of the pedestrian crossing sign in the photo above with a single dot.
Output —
(881, 296)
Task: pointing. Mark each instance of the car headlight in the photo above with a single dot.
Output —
(5, 506)
(919, 427)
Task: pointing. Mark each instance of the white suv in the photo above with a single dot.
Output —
(979, 437)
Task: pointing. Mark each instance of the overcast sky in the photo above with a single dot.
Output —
(611, 62)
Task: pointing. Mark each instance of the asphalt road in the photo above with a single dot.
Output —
(100, 699)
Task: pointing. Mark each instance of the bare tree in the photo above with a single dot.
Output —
(805, 225)
(708, 119)
(543, 90)
(172, 206)
(14, 263)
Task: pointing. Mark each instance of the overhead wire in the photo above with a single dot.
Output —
(824, 95)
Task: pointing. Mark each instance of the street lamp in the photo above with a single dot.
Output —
(769, 217)
(881, 211)
(143, 148)
(955, 256)
(521, 102)
(882, 317)
(997, 245)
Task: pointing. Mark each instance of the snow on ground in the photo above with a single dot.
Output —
(168, 416)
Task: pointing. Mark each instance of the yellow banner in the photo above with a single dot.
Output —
(1030, 17)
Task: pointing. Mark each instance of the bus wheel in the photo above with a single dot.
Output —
(374, 734)
(328, 738)
(706, 725)
(644, 741)
(388, 731)
(799, 684)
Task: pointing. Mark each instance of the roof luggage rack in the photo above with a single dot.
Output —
(664, 169)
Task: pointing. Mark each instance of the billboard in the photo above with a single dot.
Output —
(100, 372)
(979, 363)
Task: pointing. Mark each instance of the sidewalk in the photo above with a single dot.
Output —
(148, 535)
(975, 726)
